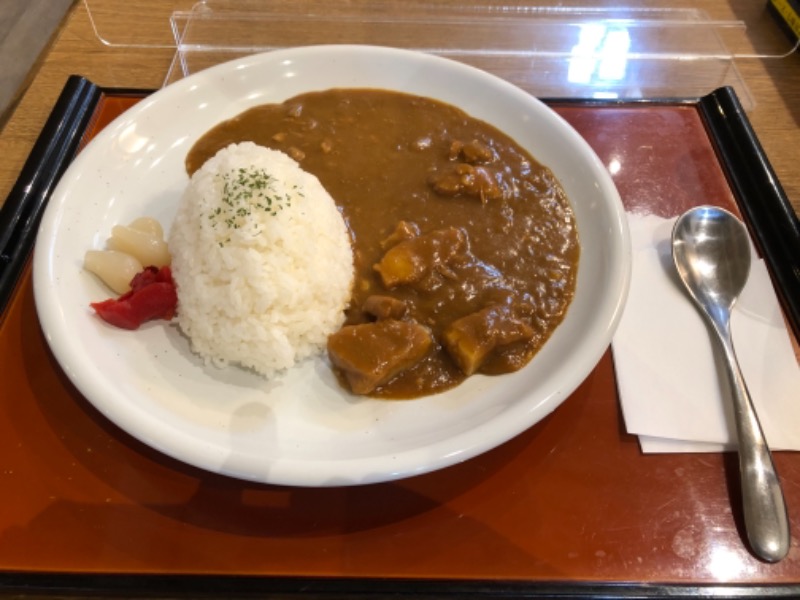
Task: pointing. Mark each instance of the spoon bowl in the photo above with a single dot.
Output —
(711, 251)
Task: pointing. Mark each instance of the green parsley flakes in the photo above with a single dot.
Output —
(245, 191)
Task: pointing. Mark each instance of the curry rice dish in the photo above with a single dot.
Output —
(465, 247)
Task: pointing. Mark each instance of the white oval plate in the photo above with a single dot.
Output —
(302, 428)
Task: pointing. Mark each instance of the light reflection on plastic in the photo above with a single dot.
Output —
(614, 166)
(601, 55)
(605, 95)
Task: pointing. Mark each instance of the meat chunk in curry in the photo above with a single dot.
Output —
(384, 307)
(370, 354)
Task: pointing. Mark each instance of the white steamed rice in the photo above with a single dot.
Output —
(262, 260)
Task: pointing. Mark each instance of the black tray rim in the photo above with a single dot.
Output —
(761, 199)
(65, 585)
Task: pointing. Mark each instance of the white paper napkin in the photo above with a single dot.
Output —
(669, 370)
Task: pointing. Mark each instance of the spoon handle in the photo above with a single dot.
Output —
(765, 517)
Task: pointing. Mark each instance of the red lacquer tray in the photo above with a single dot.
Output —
(570, 508)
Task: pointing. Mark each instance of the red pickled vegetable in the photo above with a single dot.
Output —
(152, 296)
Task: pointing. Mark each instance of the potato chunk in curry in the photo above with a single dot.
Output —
(417, 260)
(470, 340)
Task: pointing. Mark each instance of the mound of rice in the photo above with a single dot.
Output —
(262, 260)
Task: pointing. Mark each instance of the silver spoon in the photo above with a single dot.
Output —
(711, 251)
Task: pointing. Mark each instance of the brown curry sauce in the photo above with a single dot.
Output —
(466, 249)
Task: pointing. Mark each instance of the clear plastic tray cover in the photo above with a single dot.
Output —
(649, 50)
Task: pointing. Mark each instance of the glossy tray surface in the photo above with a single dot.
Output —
(570, 503)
